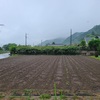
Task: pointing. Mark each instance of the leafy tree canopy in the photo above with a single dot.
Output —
(94, 44)
(83, 43)
(8, 46)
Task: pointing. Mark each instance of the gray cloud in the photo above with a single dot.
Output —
(45, 19)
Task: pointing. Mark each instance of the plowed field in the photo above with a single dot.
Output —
(41, 72)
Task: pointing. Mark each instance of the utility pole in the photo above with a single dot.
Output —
(26, 39)
(70, 37)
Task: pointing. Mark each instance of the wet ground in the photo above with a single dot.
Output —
(5, 55)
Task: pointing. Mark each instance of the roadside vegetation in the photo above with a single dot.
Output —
(6, 48)
(98, 58)
(93, 45)
(75, 49)
(61, 96)
(45, 50)
(1, 51)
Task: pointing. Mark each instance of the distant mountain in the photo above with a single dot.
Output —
(56, 41)
(79, 36)
(76, 37)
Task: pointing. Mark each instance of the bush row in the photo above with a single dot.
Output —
(45, 50)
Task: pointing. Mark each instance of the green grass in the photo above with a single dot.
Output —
(98, 58)
(1, 96)
(1, 51)
(45, 96)
(55, 92)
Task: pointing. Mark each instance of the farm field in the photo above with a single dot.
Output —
(70, 73)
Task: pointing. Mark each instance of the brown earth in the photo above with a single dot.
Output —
(70, 73)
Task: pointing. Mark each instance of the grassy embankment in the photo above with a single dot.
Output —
(28, 96)
(98, 58)
(1, 51)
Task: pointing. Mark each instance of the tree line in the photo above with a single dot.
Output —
(93, 45)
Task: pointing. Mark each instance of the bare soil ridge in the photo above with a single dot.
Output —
(71, 73)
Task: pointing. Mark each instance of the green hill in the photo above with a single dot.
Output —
(57, 41)
(79, 36)
(76, 37)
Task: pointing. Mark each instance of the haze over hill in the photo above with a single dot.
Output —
(56, 41)
(79, 36)
(76, 37)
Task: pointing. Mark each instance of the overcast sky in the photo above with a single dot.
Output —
(45, 19)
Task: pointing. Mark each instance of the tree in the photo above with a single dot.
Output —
(5, 47)
(0, 48)
(53, 43)
(8, 46)
(94, 45)
(99, 49)
(83, 43)
(12, 50)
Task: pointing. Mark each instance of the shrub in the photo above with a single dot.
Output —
(45, 96)
(46, 50)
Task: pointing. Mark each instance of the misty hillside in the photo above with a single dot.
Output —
(76, 37)
(79, 36)
(57, 41)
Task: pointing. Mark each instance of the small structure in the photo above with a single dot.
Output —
(90, 53)
(55, 45)
(87, 53)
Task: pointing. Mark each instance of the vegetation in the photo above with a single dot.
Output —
(8, 46)
(98, 58)
(0, 48)
(76, 37)
(27, 92)
(75, 97)
(94, 44)
(88, 35)
(55, 90)
(48, 97)
(1, 96)
(1, 51)
(83, 43)
(45, 96)
(45, 50)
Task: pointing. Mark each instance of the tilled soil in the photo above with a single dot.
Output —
(72, 73)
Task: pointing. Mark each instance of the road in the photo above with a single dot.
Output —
(5, 55)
